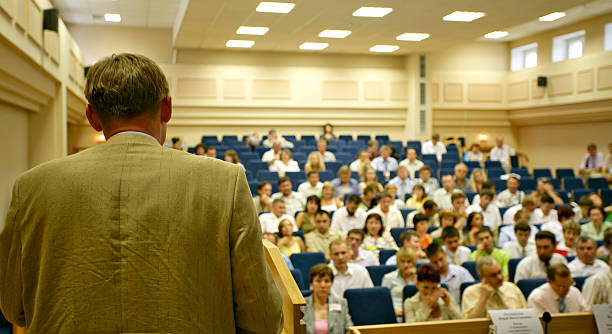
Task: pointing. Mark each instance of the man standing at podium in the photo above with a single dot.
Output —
(130, 236)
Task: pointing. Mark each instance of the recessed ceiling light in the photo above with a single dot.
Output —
(236, 43)
(329, 33)
(412, 36)
(252, 30)
(496, 34)
(313, 46)
(384, 48)
(552, 16)
(463, 16)
(109, 17)
(372, 11)
(274, 7)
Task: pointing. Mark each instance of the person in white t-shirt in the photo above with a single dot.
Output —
(326, 155)
(284, 164)
(502, 153)
(546, 212)
(455, 253)
(273, 154)
(442, 196)
(363, 160)
(529, 203)
(434, 146)
(347, 275)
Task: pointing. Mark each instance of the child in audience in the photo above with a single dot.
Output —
(376, 238)
(288, 243)
(473, 224)
(421, 224)
(417, 198)
(446, 219)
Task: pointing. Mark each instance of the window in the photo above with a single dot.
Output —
(568, 46)
(608, 37)
(525, 56)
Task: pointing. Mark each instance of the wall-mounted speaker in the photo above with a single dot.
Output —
(542, 81)
(51, 19)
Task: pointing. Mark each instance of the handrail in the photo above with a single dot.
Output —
(292, 296)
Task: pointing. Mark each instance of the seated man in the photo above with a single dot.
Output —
(344, 184)
(312, 186)
(273, 154)
(592, 163)
(346, 275)
(411, 162)
(535, 266)
(326, 155)
(529, 203)
(385, 162)
(295, 201)
(273, 137)
(546, 212)
(557, 295)
(488, 184)
(430, 209)
(210, 152)
(459, 209)
(502, 153)
(507, 233)
(485, 248)
(409, 239)
(349, 217)
(571, 232)
(319, 239)
(492, 294)
(586, 263)
(429, 183)
(269, 221)
(490, 212)
(442, 196)
(564, 214)
(461, 181)
(512, 195)
(391, 217)
(354, 239)
(597, 289)
(434, 146)
(451, 275)
(362, 161)
(522, 247)
(402, 182)
(455, 253)
(545, 187)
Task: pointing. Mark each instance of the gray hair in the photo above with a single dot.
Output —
(484, 261)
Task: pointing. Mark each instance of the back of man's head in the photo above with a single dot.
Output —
(125, 86)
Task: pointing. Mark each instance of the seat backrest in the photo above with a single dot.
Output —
(578, 193)
(326, 175)
(385, 254)
(542, 172)
(396, 232)
(529, 284)
(572, 183)
(492, 164)
(596, 183)
(606, 195)
(512, 264)
(580, 281)
(299, 279)
(370, 306)
(471, 267)
(377, 272)
(304, 261)
(564, 172)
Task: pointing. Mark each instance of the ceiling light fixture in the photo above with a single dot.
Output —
(275, 7)
(496, 34)
(243, 30)
(384, 48)
(329, 33)
(109, 17)
(236, 43)
(459, 16)
(552, 16)
(372, 11)
(412, 36)
(313, 46)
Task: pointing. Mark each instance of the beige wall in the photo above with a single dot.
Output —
(14, 151)
(477, 56)
(102, 41)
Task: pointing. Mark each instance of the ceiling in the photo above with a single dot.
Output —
(208, 24)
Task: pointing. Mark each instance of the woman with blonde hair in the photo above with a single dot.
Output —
(314, 162)
(329, 203)
(232, 157)
(404, 274)
(288, 243)
(369, 176)
(478, 178)
(285, 164)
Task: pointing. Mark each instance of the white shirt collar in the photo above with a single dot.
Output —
(140, 133)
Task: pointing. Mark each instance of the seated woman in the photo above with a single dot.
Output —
(324, 313)
(431, 302)
(328, 132)
(478, 178)
(305, 219)
(314, 162)
(397, 279)
(595, 229)
(288, 243)
(397, 203)
(474, 154)
(329, 203)
(446, 219)
(284, 164)
(376, 238)
(417, 198)
(232, 157)
(369, 176)
(473, 224)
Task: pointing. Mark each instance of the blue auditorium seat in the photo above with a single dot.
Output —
(580, 281)
(564, 172)
(229, 138)
(578, 193)
(365, 138)
(492, 164)
(606, 195)
(542, 172)
(472, 164)
(597, 183)
(370, 306)
(299, 279)
(326, 175)
(377, 273)
(256, 165)
(265, 175)
(466, 285)
(346, 138)
(333, 166)
(261, 150)
(382, 139)
(471, 267)
(406, 212)
(449, 164)
(527, 184)
(495, 172)
(571, 183)
(308, 138)
(470, 196)
(397, 231)
(512, 264)
(304, 261)
(385, 254)
(529, 284)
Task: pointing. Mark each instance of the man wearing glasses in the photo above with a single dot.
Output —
(558, 295)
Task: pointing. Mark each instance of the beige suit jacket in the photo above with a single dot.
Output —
(130, 236)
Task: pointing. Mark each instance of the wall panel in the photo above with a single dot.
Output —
(374, 91)
(453, 92)
(234, 89)
(271, 89)
(399, 91)
(561, 84)
(8, 6)
(604, 76)
(205, 88)
(35, 21)
(488, 92)
(340, 90)
(584, 81)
